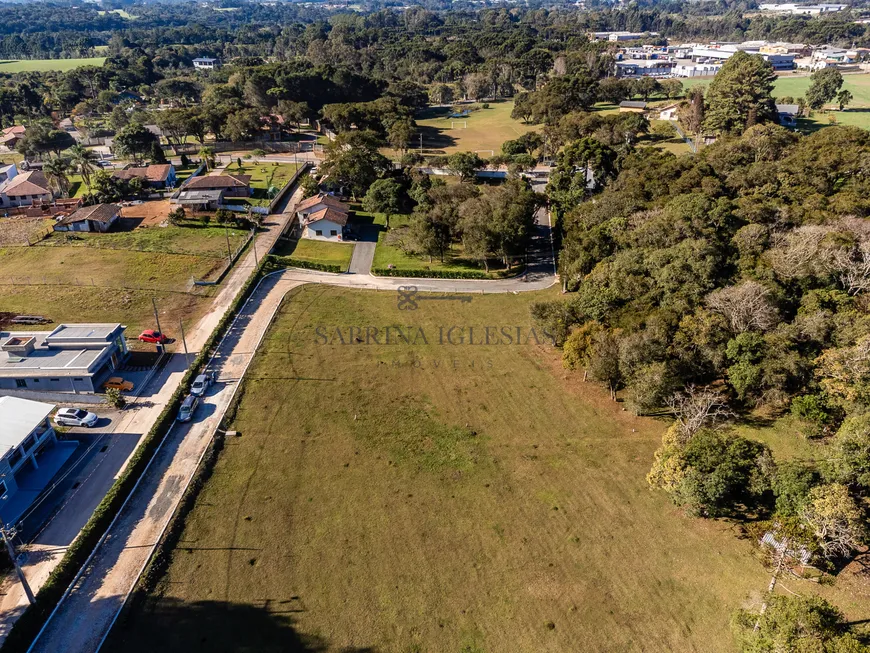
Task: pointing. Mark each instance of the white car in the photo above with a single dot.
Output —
(201, 384)
(75, 417)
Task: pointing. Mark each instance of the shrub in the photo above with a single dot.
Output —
(115, 398)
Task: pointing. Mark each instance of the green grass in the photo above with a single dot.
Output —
(317, 251)
(43, 65)
(192, 239)
(487, 130)
(434, 497)
(264, 174)
(387, 254)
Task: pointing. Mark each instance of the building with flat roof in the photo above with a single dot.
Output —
(29, 454)
(73, 358)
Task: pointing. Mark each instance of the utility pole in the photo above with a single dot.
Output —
(184, 342)
(8, 534)
(229, 251)
(156, 317)
(254, 245)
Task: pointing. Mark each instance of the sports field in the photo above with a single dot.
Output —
(857, 113)
(436, 495)
(42, 65)
(483, 131)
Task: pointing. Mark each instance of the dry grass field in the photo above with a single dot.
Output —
(425, 496)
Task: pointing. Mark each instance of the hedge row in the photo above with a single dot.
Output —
(29, 624)
(431, 274)
(290, 262)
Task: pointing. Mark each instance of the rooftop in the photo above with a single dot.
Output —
(149, 173)
(18, 418)
(97, 212)
(26, 183)
(332, 215)
(86, 331)
(218, 181)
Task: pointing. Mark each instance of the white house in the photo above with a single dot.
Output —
(668, 112)
(23, 188)
(323, 216)
(99, 217)
(206, 63)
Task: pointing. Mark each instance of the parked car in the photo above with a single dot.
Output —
(201, 384)
(75, 417)
(188, 408)
(150, 335)
(118, 383)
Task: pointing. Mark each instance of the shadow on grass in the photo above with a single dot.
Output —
(174, 626)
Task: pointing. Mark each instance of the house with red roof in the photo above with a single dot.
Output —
(23, 188)
(159, 177)
(323, 217)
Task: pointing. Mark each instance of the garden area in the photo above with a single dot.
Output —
(267, 179)
(316, 254)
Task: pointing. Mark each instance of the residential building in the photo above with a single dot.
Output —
(23, 188)
(99, 218)
(10, 136)
(323, 217)
(74, 358)
(788, 114)
(668, 112)
(206, 63)
(231, 185)
(697, 70)
(159, 177)
(30, 454)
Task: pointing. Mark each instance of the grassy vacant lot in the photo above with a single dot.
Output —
(387, 252)
(193, 239)
(487, 129)
(318, 251)
(429, 497)
(42, 65)
(264, 175)
(112, 277)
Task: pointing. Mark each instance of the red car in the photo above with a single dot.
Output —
(150, 335)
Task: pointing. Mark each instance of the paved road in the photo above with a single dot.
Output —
(97, 476)
(85, 617)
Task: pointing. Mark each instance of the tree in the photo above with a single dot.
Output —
(399, 134)
(82, 160)
(243, 125)
(692, 112)
(850, 452)
(56, 171)
(206, 155)
(295, 112)
(835, 518)
(740, 94)
(441, 94)
(746, 306)
(844, 97)
(824, 85)
(464, 165)
(134, 141)
(41, 138)
(157, 156)
(795, 623)
(384, 196)
(354, 162)
(697, 408)
(175, 216)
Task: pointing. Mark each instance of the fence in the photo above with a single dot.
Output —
(227, 146)
(290, 183)
(230, 262)
(91, 282)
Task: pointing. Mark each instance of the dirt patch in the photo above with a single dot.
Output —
(148, 213)
(21, 230)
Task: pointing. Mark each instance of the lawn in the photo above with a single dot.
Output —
(264, 175)
(193, 239)
(77, 283)
(318, 251)
(42, 65)
(487, 130)
(387, 253)
(435, 497)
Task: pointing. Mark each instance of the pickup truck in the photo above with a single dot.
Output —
(118, 383)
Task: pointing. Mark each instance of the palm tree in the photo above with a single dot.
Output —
(207, 154)
(82, 160)
(55, 171)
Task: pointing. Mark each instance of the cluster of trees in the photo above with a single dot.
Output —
(746, 268)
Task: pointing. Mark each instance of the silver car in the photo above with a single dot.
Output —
(201, 384)
(75, 417)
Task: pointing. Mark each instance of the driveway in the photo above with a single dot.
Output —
(364, 250)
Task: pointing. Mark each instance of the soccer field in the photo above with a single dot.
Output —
(43, 65)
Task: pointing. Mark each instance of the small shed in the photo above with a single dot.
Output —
(631, 106)
(99, 218)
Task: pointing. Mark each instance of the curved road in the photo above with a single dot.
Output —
(86, 614)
